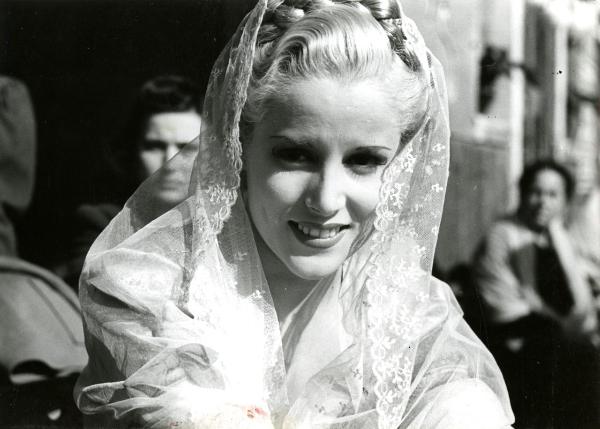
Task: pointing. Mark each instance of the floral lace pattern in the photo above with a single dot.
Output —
(186, 291)
(408, 216)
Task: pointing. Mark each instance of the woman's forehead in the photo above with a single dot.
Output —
(326, 109)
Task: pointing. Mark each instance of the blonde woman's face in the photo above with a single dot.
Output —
(314, 167)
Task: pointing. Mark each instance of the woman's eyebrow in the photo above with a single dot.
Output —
(371, 148)
(296, 142)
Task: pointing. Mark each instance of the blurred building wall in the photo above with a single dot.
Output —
(523, 84)
(458, 32)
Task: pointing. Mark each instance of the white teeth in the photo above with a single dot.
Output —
(319, 232)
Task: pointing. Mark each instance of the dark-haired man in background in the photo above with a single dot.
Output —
(539, 308)
(164, 119)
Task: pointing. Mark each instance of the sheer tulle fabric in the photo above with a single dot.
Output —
(182, 332)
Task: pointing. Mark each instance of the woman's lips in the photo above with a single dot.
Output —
(318, 236)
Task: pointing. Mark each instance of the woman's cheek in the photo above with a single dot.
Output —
(287, 187)
(364, 197)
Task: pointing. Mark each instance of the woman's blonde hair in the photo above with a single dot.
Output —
(341, 40)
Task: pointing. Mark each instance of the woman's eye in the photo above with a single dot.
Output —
(365, 163)
(293, 155)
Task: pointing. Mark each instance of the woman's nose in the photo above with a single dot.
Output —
(328, 194)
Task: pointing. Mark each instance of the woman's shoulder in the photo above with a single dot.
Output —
(440, 290)
(462, 404)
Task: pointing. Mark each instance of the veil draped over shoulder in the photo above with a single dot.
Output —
(181, 329)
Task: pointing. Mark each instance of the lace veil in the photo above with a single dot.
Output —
(179, 322)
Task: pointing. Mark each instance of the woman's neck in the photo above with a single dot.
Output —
(287, 289)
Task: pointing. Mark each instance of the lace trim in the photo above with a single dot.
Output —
(397, 283)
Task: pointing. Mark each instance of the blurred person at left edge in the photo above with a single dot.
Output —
(41, 335)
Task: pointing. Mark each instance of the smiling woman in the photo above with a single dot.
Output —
(314, 171)
(293, 288)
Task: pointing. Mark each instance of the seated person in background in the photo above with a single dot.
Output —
(41, 336)
(164, 119)
(542, 323)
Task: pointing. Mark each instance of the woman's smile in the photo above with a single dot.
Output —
(314, 170)
(318, 236)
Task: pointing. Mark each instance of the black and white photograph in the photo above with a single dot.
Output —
(299, 214)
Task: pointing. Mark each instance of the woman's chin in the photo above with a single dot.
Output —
(313, 267)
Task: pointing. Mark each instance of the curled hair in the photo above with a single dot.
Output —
(532, 170)
(345, 41)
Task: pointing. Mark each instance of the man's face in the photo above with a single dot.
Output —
(546, 199)
(165, 135)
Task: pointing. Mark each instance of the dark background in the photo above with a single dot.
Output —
(83, 61)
